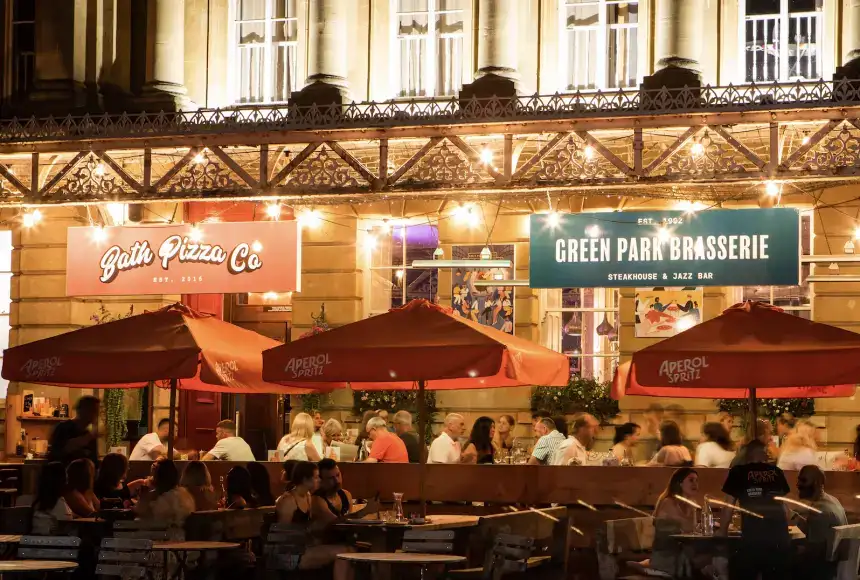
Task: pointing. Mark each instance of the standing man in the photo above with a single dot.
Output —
(574, 450)
(811, 556)
(229, 447)
(549, 441)
(403, 429)
(386, 447)
(765, 546)
(73, 439)
(446, 447)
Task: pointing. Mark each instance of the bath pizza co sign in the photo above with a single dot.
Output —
(210, 258)
(742, 247)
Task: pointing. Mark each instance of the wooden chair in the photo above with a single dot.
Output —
(142, 530)
(510, 555)
(437, 542)
(125, 558)
(64, 548)
(283, 549)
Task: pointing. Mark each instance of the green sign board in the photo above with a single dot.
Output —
(743, 247)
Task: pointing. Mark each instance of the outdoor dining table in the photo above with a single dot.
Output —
(11, 567)
(388, 536)
(181, 549)
(402, 559)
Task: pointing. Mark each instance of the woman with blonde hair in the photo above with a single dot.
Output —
(299, 444)
(800, 447)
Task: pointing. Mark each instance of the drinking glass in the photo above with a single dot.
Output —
(398, 507)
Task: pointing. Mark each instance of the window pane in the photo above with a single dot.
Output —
(251, 78)
(803, 48)
(758, 7)
(581, 62)
(251, 10)
(284, 79)
(266, 62)
(583, 15)
(413, 68)
(284, 9)
(805, 5)
(762, 48)
(412, 6)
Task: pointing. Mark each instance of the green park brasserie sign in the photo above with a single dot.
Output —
(743, 247)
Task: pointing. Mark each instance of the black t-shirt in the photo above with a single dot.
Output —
(413, 447)
(65, 432)
(755, 485)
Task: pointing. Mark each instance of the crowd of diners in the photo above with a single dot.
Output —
(75, 484)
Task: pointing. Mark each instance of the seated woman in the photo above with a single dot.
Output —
(672, 452)
(672, 516)
(79, 492)
(50, 506)
(717, 448)
(238, 489)
(261, 486)
(626, 438)
(198, 482)
(294, 507)
(168, 503)
(800, 447)
(479, 449)
(298, 444)
(110, 486)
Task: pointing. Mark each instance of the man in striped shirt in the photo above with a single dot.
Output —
(547, 444)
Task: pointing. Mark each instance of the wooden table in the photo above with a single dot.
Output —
(24, 566)
(794, 534)
(181, 550)
(447, 522)
(411, 558)
(9, 539)
(387, 537)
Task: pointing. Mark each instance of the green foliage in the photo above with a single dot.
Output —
(113, 401)
(313, 402)
(770, 409)
(579, 395)
(393, 401)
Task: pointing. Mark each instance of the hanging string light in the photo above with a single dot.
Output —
(273, 210)
(196, 234)
(310, 218)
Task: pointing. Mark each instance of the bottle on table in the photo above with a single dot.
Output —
(707, 519)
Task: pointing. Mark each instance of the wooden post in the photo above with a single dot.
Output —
(422, 438)
(753, 414)
(172, 433)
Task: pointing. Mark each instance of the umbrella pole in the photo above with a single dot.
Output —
(422, 431)
(753, 413)
(172, 432)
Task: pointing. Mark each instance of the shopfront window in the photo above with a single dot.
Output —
(583, 323)
(393, 281)
(600, 46)
(794, 299)
(265, 51)
(782, 39)
(23, 37)
(429, 37)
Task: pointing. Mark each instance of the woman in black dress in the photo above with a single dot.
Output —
(110, 486)
(479, 449)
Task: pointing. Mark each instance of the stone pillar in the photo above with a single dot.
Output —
(58, 86)
(678, 46)
(165, 70)
(850, 68)
(327, 47)
(497, 51)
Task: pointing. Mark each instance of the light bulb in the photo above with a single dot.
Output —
(663, 234)
(772, 188)
(310, 218)
(270, 296)
(553, 219)
(399, 274)
(99, 233)
(697, 149)
(370, 242)
(257, 246)
(27, 220)
(37, 216)
(473, 219)
(199, 158)
(195, 235)
(592, 231)
(805, 140)
(438, 253)
(386, 227)
(589, 152)
(486, 156)
(117, 212)
(99, 170)
(273, 210)
(486, 254)
(857, 233)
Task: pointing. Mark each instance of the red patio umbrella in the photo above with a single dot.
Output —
(418, 343)
(750, 349)
(194, 351)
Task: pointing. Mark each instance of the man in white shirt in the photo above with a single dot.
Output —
(317, 439)
(446, 447)
(153, 445)
(575, 449)
(229, 447)
(549, 441)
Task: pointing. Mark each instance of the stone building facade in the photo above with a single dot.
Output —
(443, 135)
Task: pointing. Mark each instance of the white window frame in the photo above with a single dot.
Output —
(784, 16)
(602, 29)
(431, 59)
(269, 47)
(552, 319)
(739, 290)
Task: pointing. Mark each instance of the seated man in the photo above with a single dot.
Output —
(812, 553)
(386, 447)
(550, 440)
(229, 447)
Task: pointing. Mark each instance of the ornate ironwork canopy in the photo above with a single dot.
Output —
(708, 143)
